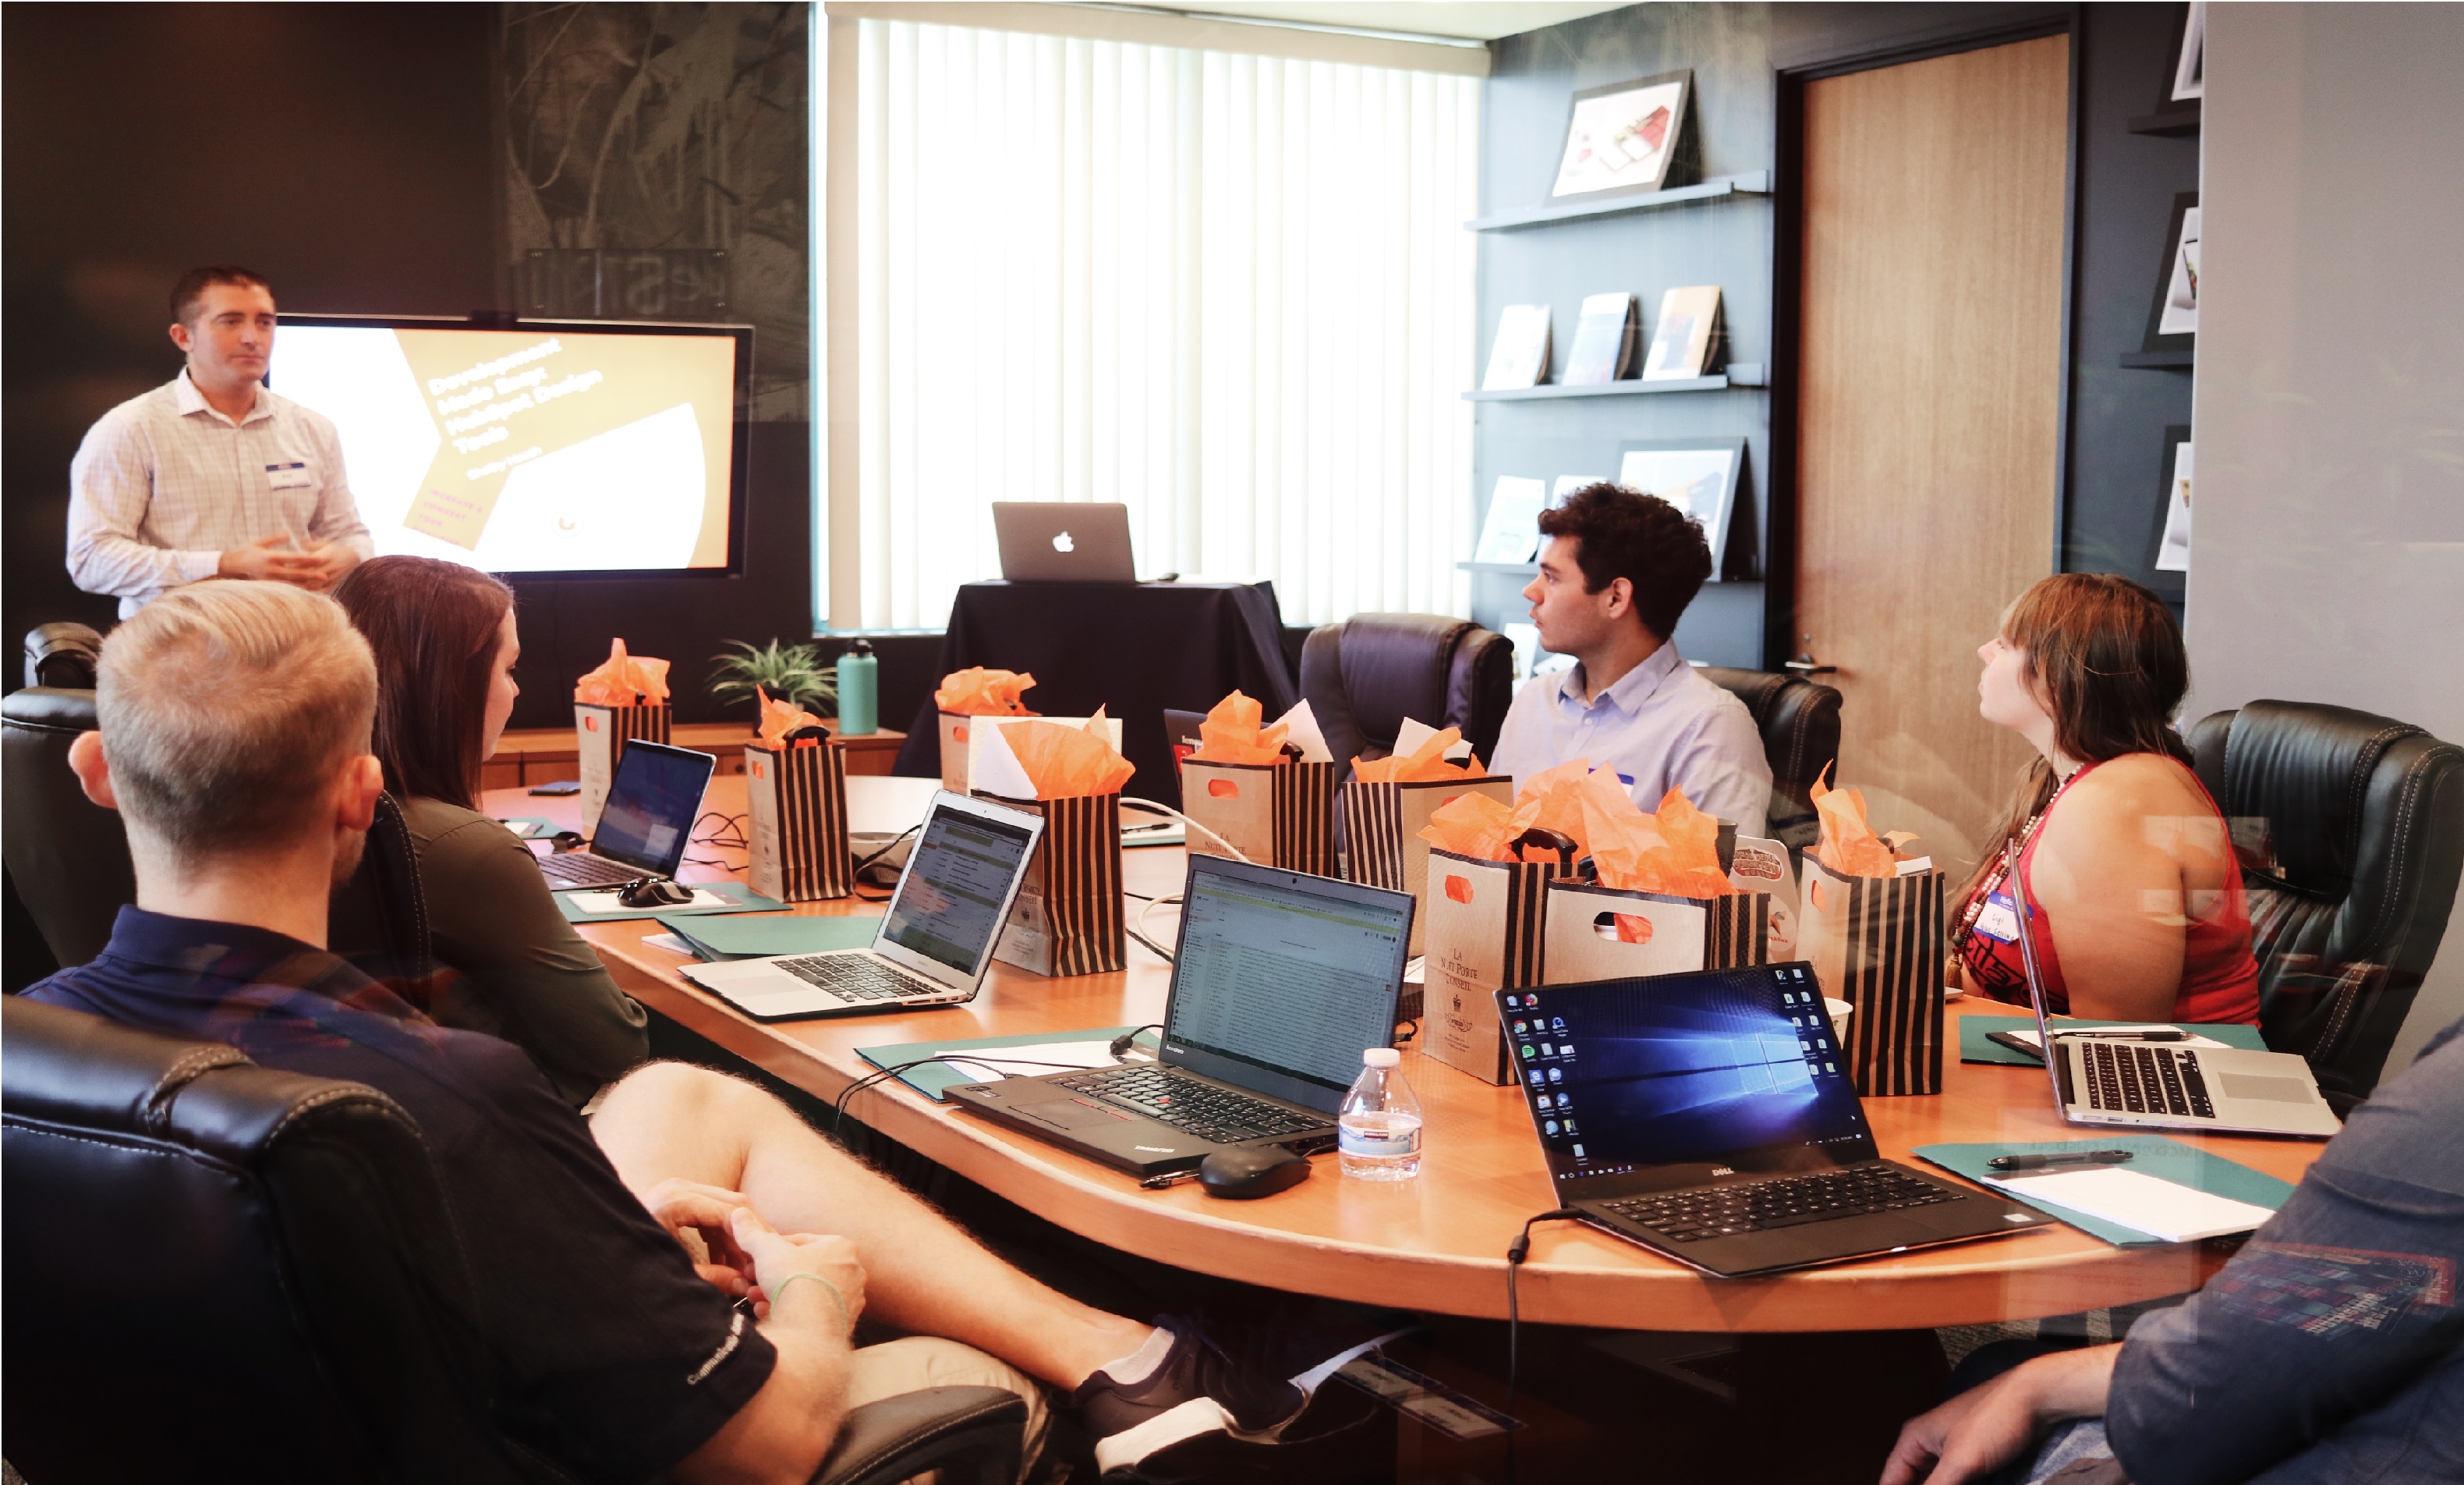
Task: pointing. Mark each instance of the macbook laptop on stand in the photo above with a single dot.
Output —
(935, 942)
(1279, 981)
(645, 826)
(1711, 1116)
(1063, 542)
(2160, 1086)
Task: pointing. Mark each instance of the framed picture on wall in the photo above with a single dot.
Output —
(1625, 136)
(2189, 57)
(2173, 319)
(1698, 476)
(2173, 526)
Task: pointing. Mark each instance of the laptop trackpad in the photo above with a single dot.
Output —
(2274, 1090)
(1071, 1113)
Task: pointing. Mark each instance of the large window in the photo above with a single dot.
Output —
(1232, 292)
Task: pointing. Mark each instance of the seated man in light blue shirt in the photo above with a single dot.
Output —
(1617, 569)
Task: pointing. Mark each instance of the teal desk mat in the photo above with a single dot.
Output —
(933, 1077)
(716, 938)
(1974, 1047)
(740, 899)
(2154, 1155)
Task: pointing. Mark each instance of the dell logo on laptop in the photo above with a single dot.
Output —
(1723, 1170)
(1156, 1149)
(1063, 543)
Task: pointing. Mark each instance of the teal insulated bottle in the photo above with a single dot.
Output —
(859, 691)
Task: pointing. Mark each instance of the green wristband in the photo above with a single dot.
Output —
(837, 1299)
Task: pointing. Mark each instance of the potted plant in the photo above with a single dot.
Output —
(788, 673)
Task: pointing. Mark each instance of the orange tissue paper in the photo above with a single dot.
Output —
(625, 680)
(781, 719)
(1477, 825)
(1062, 761)
(1848, 846)
(1424, 762)
(1233, 733)
(1676, 851)
(978, 691)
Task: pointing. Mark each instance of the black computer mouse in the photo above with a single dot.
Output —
(648, 892)
(1252, 1171)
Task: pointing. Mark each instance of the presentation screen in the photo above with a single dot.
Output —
(550, 447)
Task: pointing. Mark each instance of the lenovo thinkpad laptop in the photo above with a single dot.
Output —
(645, 824)
(1279, 981)
(1063, 542)
(2114, 1080)
(935, 942)
(1711, 1116)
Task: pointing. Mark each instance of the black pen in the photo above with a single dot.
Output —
(2168, 1035)
(2040, 1161)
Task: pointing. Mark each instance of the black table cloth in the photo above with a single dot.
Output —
(1135, 648)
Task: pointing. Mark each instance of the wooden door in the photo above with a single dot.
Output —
(1931, 365)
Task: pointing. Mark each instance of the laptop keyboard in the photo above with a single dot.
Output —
(1707, 1213)
(581, 869)
(1184, 1102)
(2124, 1077)
(857, 977)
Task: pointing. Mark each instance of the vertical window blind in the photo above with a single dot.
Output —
(1231, 291)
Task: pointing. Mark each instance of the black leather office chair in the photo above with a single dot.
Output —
(1800, 721)
(220, 1272)
(67, 856)
(2351, 831)
(1361, 677)
(62, 655)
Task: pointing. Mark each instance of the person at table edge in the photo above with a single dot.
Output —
(1617, 572)
(211, 474)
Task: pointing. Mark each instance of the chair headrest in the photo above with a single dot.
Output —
(66, 1067)
(50, 709)
(1396, 665)
(2307, 768)
(62, 654)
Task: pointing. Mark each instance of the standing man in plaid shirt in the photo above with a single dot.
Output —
(211, 474)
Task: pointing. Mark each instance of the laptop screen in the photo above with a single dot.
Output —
(650, 807)
(1282, 979)
(952, 898)
(1733, 1067)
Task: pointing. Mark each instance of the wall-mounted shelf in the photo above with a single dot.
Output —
(1753, 183)
(1743, 374)
(2159, 360)
(1520, 570)
(2172, 122)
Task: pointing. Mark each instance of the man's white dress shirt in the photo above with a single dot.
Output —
(164, 485)
(1662, 725)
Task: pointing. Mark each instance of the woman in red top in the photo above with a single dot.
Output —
(2139, 907)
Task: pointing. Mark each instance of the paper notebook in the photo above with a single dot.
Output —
(2152, 1156)
(711, 896)
(933, 1077)
(715, 939)
(1973, 1031)
(2162, 1209)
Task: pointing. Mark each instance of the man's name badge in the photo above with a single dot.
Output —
(293, 476)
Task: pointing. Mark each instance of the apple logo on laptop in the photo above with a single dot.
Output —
(1063, 543)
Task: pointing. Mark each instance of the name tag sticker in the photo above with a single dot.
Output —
(2000, 918)
(293, 476)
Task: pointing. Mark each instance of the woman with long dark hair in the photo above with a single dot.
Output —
(445, 644)
(2140, 913)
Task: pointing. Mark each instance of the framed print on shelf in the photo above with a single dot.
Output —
(1625, 136)
(1698, 476)
(2173, 526)
(2173, 320)
(2189, 57)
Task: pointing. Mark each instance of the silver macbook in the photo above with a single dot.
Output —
(1063, 542)
(2110, 1080)
(935, 942)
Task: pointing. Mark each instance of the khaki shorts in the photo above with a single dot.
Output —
(913, 1363)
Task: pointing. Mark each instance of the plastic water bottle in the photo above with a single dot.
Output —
(859, 691)
(1379, 1137)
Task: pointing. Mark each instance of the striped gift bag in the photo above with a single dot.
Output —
(1876, 943)
(1381, 833)
(1607, 933)
(796, 809)
(1067, 917)
(1485, 921)
(1276, 814)
(600, 735)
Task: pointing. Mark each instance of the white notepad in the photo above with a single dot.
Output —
(2162, 1209)
(614, 903)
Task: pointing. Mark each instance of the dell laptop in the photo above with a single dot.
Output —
(643, 828)
(1279, 981)
(1063, 542)
(1711, 1116)
(2155, 1085)
(935, 942)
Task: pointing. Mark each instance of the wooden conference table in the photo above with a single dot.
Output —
(1437, 1242)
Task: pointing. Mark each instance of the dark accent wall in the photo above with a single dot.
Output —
(347, 153)
(2124, 188)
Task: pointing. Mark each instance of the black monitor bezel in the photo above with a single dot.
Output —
(740, 484)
